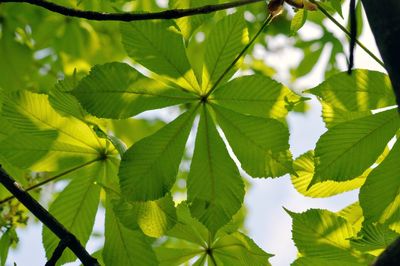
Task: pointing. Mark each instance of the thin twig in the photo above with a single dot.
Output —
(266, 23)
(47, 219)
(51, 179)
(331, 18)
(129, 16)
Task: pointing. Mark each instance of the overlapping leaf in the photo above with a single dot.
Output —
(323, 236)
(255, 95)
(124, 246)
(215, 188)
(374, 238)
(188, 25)
(228, 248)
(261, 144)
(348, 149)
(149, 168)
(154, 218)
(39, 130)
(116, 90)
(304, 168)
(75, 208)
(224, 43)
(379, 197)
(346, 97)
(159, 47)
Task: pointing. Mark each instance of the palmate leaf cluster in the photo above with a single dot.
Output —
(82, 129)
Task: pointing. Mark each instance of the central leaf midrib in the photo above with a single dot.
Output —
(139, 93)
(209, 156)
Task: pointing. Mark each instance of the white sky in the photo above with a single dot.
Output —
(269, 225)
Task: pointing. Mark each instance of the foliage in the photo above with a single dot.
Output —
(67, 108)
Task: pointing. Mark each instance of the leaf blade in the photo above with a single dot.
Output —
(155, 160)
(215, 188)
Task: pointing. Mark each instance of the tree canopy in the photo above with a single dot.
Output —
(77, 79)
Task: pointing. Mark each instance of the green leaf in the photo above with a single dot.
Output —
(255, 95)
(132, 130)
(215, 188)
(348, 149)
(304, 168)
(116, 90)
(175, 256)
(43, 140)
(374, 237)
(159, 47)
(65, 103)
(5, 243)
(42, 153)
(238, 249)
(337, 5)
(353, 95)
(125, 247)
(353, 214)
(312, 54)
(225, 42)
(261, 144)
(75, 208)
(16, 64)
(154, 218)
(323, 235)
(298, 21)
(31, 114)
(148, 169)
(379, 197)
(188, 228)
(188, 25)
(308, 261)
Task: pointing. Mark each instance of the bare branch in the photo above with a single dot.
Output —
(47, 219)
(167, 14)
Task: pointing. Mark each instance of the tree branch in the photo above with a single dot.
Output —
(167, 14)
(383, 17)
(47, 219)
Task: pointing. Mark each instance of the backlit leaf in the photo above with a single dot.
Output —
(75, 208)
(124, 246)
(348, 149)
(224, 43)
(304, 168)
(159, 47)
(360, 92)
(148, 169)
(379, 197)
(215, 188)
(116, 90)
(261, 144)
(154, 218)
(255, 95)
(323, 235)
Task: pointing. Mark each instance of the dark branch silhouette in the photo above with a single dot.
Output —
(383, 17)
(47, 219)
(167, 14)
